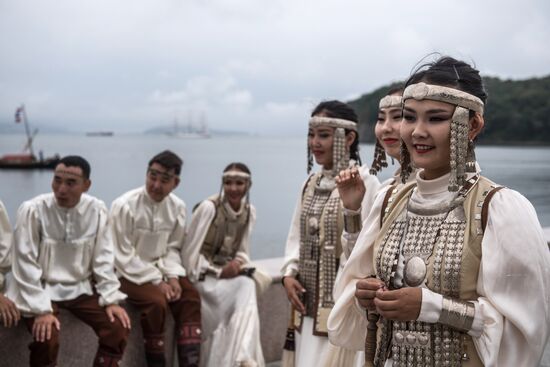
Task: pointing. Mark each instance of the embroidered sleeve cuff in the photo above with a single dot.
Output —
(432, 304)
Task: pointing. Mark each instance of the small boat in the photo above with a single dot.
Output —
(23, 161)
(27, 159)
(99, 133)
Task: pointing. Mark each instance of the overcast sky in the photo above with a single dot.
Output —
(252, 65)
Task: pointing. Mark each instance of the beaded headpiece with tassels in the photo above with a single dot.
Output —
(340, 155)
(380, 159)
(462, 157)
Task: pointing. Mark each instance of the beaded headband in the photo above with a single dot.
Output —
(439, 93)
(390, 101)
(462, 157)
(317, 121)
(236, 174)
(340, 154)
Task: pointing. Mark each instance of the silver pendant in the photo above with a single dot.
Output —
(415, 271)
(313, 226)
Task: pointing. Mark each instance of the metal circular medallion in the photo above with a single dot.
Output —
(313, 225)
(415, 271)
(423, 339)
(411, 339)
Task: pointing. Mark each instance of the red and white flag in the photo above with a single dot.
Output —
(18, 113)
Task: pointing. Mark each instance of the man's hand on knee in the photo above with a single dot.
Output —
(9, 314)
(176, 288)
(167, 290)
(115, 311)
(43, 326)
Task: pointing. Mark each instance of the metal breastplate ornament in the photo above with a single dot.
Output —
(427, 238)
(317, 267)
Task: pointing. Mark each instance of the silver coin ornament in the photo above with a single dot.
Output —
(415, 271)
(313, 226)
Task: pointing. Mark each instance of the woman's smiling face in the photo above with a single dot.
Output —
(387, 130)
(426, 130)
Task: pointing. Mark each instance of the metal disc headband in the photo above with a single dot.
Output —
(439, 93)
(236, 174)
(390, 101)
(317, 121)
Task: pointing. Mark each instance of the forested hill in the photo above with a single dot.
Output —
(517, 112)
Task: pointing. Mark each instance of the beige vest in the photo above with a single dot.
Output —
(224, 235)
(446, 344)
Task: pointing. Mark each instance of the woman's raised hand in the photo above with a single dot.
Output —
(351, 188)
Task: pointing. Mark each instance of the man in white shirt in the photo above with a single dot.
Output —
(149, 231)
(9, 314)
(63, 258)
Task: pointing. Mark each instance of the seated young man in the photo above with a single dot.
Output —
(9, 314)
(63, 258)
(149, 231)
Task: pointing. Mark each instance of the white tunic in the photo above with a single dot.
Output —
(57, 251)
(5, 244)
(515, 268)
(229, 309)
(312, 350)
(148, 237)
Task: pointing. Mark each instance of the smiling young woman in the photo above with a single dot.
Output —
(314, 250)
(219, 236)
(445, 274)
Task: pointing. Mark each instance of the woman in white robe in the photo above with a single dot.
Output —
(351, 186)
(313, 250)
(388, 143)
(219, 234)
(468, 255)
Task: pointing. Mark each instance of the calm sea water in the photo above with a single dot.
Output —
(278, 169)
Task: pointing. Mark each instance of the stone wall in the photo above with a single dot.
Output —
(78, 342)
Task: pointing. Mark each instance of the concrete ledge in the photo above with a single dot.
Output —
(78, 342)
(274, 310)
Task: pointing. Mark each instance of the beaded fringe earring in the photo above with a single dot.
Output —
(458, 148)
(309, 160)
(340, 155)
(405, 160)
(379, 159)
(471, 157)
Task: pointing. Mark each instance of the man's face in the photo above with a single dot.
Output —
(68, 185)
(160, 182)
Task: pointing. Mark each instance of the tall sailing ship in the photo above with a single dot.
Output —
(190, 130)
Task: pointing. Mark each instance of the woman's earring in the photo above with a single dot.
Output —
(471, 157)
